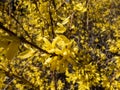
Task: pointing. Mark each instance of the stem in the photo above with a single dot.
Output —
(55, 79)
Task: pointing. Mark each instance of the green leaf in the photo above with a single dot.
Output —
(4, 44)
(8, 38)
(12, 49)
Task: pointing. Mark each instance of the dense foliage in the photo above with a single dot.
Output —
(59, 45)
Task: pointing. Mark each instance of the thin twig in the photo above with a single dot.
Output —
(21, 26)
(54, 79)
(8, 84)
(51, 22)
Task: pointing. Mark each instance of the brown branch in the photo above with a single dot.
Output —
(22, 39)
(7, 30)
(86, 17)
(12, 75)
(53, 2)
(51, 22)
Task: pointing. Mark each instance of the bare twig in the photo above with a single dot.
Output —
(8, 84)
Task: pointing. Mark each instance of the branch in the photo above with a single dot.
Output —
(22, 39)
(51, 22)
(86, 15)
(12, 75)
(53, 2)
(8, 84)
